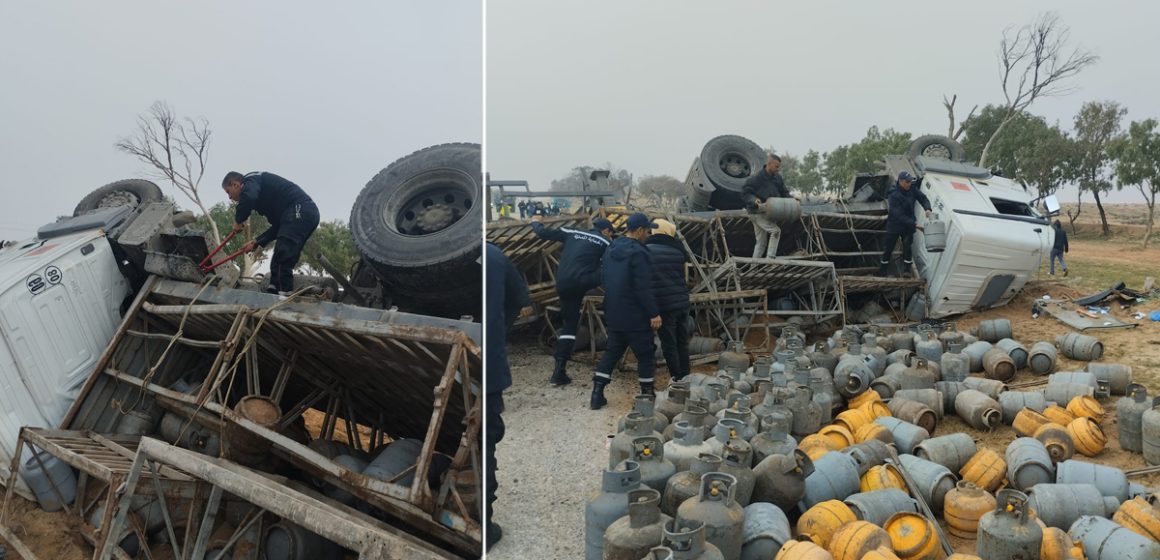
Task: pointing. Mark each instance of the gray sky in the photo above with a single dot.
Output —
(325, 94)
(644, 84)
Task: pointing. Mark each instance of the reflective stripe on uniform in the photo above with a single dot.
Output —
(604, 375)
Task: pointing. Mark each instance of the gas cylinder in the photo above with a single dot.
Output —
(645, 405)
(715, 507)
(949, 390)
(874, 408)
(998, 365)
(951, 451)
(815, 446)
(1130, 417)
(735, 357)
(993, 330)
(737, 460)
(868, 454)
(987, 470)
(751, 423)
(1080, 347)
(950, 335)
(929, 397)
(686, 445)
(1087, 407)
(686, 538)
(1058, 414)
(913, 536)
(674, 403)
(802, 550)
(822, 357)
(1028, 421)
(828, 399)
(886, 385)
(1011, 402)
(1088, 437)
(649, 454)
(852, 376)
(608, 505)
(726, 430)
(1016, 350)
(1117, 376)
(1028, 463)
(853, 419)
(807, 415)
(1041, 358)
(635, 425)
(929, 348)
(1009, 531)
(766, 529)
(855, 539)
(1110, 481)
(919, 375)
(835, 476)
(1150, 433)
(1062, 393)
(873, 431)
(1057, 545)
(990, 387)
(696, 416)
(1140, 516)
(1060, 505)
(914, 412)
(906, 435)
(877, 506)
(839, 436)
(820, 522)
(975, 352)
(632, 536)
(1104, 539)
(881, 477)
(954, 364)
(978, 410)
(963, 508)
(685, 484)
(781, 479)
(1056, 440)
(932, 480)
(714, 395)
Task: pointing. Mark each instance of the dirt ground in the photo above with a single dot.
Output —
(554, 451)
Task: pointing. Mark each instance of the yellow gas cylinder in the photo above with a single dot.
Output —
(1088, 437)
(1140, 516)
(1058, 442)
(853, 419)
(1086, 406)
(855, 539)
(876, 431)
(816, 445)
(802, 550)
(1059, 415)
(862, 399)
(820, 522)
(964, 506)
(1057, 545)
(881, 477)
(876, 409)
(961, 556)
(881, 554)
(986, 469)
(913, 536)
(839, 436)
(1027, 421)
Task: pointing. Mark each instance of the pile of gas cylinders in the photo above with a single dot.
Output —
(828, 452)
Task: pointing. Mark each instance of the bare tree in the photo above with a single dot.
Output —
(176, 149)
(1035, 61)
(950, 105)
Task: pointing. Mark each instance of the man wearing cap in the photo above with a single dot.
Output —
(630, 308)
(761, 186)
(900, 221)
(579, 272)
(672, 294)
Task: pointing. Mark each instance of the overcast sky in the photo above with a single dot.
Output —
(324, 94)
(645, 84)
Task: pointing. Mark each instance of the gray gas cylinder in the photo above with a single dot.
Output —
(807, 414)
(1016, 350)
(954, 364)
(933, 480)
(781, 479)
(686, 484)
(951, 451)
(607, 505)
(975, 352)
(1130, 417)
(835, 477)
(1041, 359)
(1060, 505)
(646, 406)
(287, 541)
(929, 348)
(635, 425)
(906, 435)
(1080, 347)
(1104, 539)
(687, 444)
(1009, 532)
(714, 506)
(737, 460)
(51, 480)
(1011, 402)
(979, 410)
(774, 438)
(766, 529)
(1028, 463)
(949, 390)
(993, 330)
(1110, 481)
(877, 506)
(632, 536)
(934, 235)
(852, 376)
(648, 452)
(686, 538)
(990, 387)
(929, 397)
(1117, 376)
(1150, 433)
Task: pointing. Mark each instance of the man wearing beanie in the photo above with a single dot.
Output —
(630, 308)
(672, 294)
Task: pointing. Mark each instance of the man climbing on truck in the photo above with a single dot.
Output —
(900, 221)
(763, 185)
(292, 214)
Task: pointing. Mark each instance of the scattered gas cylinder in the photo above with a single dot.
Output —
(955, 365)
(998, 365)
(737, 458)
(932, 480)
(854, 418)
(635, 425)
(990, 387)
(735, 357)
(1058, 414)
(820, 522)
(774, 438)
(1011, 402)
(807, 414)
(674, 404)
(913, 536)
(1041, 359)
(781, 479)
(1109, 480)
(688, 443)
(993, 330)
(724, 519)
(802, 550)
(1028, 421)
(928, 347)
(839, 436)
(765, 530)
(874, 431)
(906, 435)
(881, 477)
(951, 451)
(608, 505)
(1150, 433)
(1063, 392)
(987, 470)
(1117, 376)
(632, 536)
(978, 410)
(686, 484)
(1060, 505)
(1016, 350)
(1056, 440)
(929, 397)
(855, 539)
(877, 506)
(1028, 463)
(1088, 437)
(1009, 531)
(964, 507)
(1080, 347)
(1057, 545)
(815, 446)
(1104, 539)
(914, 412)
(949, 390)
(1087, 407)
(835, 476)
(1130, 417)
(869, 454)
(687, 537)
(975, 351)
(1140, 516)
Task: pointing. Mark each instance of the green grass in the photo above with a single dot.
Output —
(1094, 276)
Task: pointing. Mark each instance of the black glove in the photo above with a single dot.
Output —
(751, 205)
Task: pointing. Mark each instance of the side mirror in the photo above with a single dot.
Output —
(1051, 204)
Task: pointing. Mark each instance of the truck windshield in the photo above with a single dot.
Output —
(1014, 208)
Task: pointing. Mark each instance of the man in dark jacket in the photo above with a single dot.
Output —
(579, 272)
(630, 308)
(900, 222)
(507, 296)
(292, 215)
(672, 295)
(763, 185)
(1058, 248)
(523, 206)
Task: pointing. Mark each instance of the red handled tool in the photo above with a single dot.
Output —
(206, 266)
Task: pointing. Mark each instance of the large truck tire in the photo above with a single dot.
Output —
(936, 146)
(728, 161)
(698, 188)
(126, 192)
(418, 224)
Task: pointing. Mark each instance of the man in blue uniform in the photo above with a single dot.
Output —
(292, 215)
(579, 272)
(630, 308)
(900, 221)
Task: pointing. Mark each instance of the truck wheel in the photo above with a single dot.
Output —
(418, 224)
(936, 146)
(729, 160)
(699, 188)
(126, 192)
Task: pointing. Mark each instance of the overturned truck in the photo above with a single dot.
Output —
(178, 412)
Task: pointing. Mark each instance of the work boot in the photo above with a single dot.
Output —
(907, 269)
(560, 374)
(1065, 273)
(882, 269)
(598, 401)
(647, 389)
(494, 534)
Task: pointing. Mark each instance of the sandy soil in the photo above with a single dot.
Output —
(551, 460)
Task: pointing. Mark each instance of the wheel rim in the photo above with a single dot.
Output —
(442, 199)
(119, 198)
(735, 165)
(938, 151)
